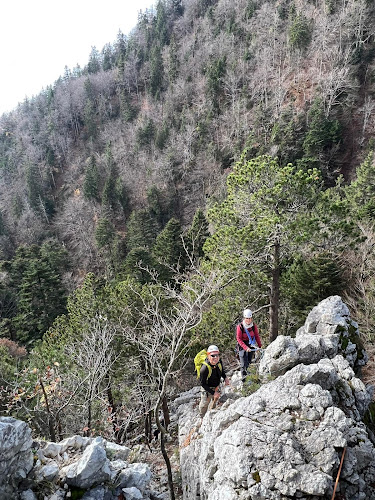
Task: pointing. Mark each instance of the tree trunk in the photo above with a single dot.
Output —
(163, 432)
(165, 409)
(113, 410)
(51, 426)
(148, 426)
(168, 464)
(275, 294)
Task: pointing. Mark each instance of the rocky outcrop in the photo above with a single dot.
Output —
(97, 466)
(16, 456)
(286, 440)
(328, 331)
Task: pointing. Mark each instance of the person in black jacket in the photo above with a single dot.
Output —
(211, 373)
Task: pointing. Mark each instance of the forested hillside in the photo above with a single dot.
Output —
(220, 156)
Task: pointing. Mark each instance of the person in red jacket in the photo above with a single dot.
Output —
(247, 338)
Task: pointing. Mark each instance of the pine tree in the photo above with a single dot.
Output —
(91, 182)
(267, 215)
(307, 282)
(104, 233)
(142, 229)
(169, 250)
(136, 263)
(361, 192)
(197, 234)
(156, 71)
(94, 64)
(36, 276)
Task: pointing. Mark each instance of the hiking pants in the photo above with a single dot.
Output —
(245, 360)
(207, 402)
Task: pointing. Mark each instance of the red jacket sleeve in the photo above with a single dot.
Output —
(239, 337)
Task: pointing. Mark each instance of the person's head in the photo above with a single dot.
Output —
(213, 354)
(247, 317)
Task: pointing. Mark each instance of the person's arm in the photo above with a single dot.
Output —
(224, 375)
(203, 379)
(257, 337)
(239, 338)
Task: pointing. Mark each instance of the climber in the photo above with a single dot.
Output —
(247, 339)
(211, 373)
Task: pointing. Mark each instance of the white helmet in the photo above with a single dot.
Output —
(248, 313)
(212, 348)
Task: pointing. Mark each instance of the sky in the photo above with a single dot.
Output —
(38, 38)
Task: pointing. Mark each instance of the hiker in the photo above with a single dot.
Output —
(247, 338)
(211, 373)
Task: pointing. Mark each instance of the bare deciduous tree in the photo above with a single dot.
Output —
(167, 315)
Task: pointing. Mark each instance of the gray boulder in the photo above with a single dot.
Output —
(132, 493)
(328, 331)
(137, 475)
(91, 469)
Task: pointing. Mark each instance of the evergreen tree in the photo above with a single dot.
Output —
(169, 250)
(127, 109)
(122, 195)
(158, 205)
(197, 234)
(120, 49)
(161, 27)
(307, 282)
(2, 224)
(91, 181)
(35, 274)
(89, 118)
(361, 192)
(299, 33)
(267, 215)
(94, 64)
(105, 233)
(141, 229)
(173, 61)
(142, 256)
(107, 57)
(109, 195)
(156, 71)
(322, 133)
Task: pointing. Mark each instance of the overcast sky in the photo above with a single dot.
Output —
(38, 38)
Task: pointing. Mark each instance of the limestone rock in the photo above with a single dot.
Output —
(91, 469)
(16, 455)
(285, 440)
(137, 475)
(328, 331)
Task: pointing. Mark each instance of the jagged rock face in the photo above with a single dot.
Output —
(328, 331)
(286, 440)
(16, 456)
(95, 465)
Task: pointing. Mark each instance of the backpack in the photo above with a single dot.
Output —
(200, 359)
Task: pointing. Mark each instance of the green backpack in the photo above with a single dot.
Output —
(200, 359)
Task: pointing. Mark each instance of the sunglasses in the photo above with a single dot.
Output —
(214, 355)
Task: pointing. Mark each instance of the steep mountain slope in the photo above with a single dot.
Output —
(172, 106)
